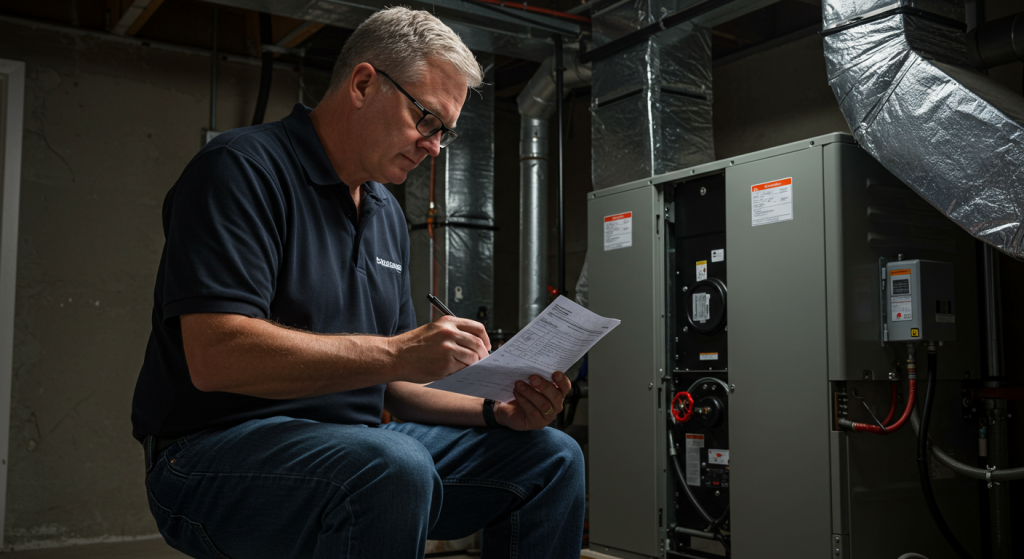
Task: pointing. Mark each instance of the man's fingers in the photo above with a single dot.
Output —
(534, 403)
(563, 383)
(472, 343)
(476, 329)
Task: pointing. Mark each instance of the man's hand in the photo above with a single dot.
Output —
(535, 404)
(436, 350)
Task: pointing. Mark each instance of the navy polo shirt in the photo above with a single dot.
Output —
(259, 225)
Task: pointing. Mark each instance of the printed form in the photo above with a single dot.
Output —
(555, 340)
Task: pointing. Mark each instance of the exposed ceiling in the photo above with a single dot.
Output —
(189, 23)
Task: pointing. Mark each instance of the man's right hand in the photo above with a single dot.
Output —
(436, 350)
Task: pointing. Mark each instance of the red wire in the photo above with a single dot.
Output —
(892, 406)
(895, 426)
(555, 13)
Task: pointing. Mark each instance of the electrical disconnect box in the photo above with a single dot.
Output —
(755, 329)
(918, 297)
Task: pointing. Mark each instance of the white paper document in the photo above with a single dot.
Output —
(554, 341)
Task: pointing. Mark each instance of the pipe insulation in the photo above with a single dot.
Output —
(903, 81)
(1009, 474)
(537, 103)
(533, 213)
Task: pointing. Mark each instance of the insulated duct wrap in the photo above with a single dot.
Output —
(469, 207)
(651, 102)
(911, 99)
(460, 268)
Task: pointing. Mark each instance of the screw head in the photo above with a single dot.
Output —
(686, 329)
(650, 385)
(732, 388)
(717, 493)
(685, 289)
(703, 191)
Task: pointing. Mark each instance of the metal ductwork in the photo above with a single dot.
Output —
(651, 102)
(901, 74)
(457, 263)
(483, 28)
(537, 102)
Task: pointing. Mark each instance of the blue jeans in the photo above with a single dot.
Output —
(280, 488)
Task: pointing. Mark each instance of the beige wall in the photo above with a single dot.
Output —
(108, 128)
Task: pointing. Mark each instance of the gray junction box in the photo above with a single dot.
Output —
(751, 287)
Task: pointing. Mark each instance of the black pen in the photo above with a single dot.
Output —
(439, 305)
(444, 310)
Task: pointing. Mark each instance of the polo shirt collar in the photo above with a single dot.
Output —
(308, 148)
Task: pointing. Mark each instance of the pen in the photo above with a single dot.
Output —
(444, 310)
(439, 305)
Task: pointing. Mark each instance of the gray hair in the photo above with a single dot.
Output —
(400, 41)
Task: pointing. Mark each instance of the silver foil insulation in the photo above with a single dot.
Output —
(913, 102)
(459, 263)
(651, 103)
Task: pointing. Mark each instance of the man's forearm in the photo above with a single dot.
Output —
(420, 404)
(233, 353)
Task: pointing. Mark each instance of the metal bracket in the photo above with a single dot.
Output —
(883, 329)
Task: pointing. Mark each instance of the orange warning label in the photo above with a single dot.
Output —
(773, 184)
(905, 272)
(689, 436)
(617, 217)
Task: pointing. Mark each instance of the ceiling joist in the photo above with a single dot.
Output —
(132, 17)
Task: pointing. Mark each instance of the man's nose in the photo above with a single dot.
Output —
(431, 144)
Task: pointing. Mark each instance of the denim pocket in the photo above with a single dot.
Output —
(183, 534)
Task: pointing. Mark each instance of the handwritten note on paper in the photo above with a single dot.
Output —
(555, 340)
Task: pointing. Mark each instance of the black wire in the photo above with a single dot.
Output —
(715, 523)
(922, 460)
(266, 71)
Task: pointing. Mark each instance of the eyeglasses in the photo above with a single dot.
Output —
(429, 124)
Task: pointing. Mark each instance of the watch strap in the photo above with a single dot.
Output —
(489, 414)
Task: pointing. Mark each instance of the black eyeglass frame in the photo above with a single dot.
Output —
(448, 135)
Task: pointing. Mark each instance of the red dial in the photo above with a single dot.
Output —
(682, 406)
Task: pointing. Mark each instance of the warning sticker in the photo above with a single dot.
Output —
(709, 356)
(718, 456)
(902, 308)
(618, 231)
(771, 202)
(701, 307)
(702, 270)
(693, 445)
(718, 255)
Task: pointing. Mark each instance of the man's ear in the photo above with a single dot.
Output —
(361, 84)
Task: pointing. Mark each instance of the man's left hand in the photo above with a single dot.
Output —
(535, 404)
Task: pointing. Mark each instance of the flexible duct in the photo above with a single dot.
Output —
(900, 73)
(537, 102)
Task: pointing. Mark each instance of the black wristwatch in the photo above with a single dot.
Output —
(489, 414)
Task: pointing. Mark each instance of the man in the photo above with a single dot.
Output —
(278, 338)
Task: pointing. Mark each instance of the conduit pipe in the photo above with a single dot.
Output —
(536, 105)
(900, 72)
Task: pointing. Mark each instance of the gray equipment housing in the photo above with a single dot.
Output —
(803, 329)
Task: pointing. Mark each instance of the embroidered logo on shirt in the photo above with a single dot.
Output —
(388, 264)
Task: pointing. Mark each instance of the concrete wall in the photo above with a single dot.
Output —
(108, 128)
(774, 97)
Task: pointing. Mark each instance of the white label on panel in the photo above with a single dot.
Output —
(693, 445)
(771, 202)
(701, 307)
(618, 231)
(902, 308)
(718, 255)
(718, 456)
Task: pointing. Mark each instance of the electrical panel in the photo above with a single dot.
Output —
(920, 296)
(757, 299)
